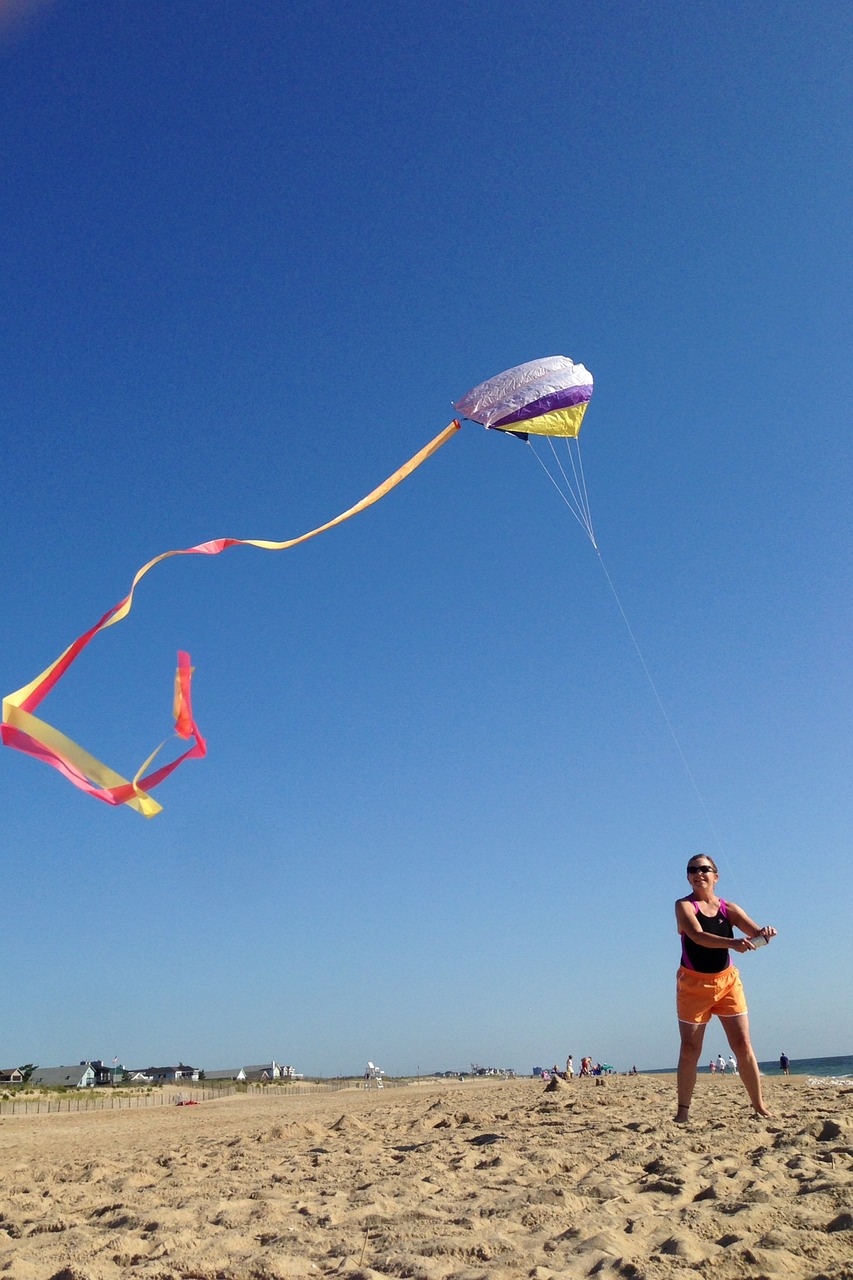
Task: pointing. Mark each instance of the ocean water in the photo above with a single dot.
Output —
(819, 1068)
(825, 1068)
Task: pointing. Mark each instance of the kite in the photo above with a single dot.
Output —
(541, 398)
(544, 397)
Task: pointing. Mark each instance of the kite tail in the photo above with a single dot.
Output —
(23, 731)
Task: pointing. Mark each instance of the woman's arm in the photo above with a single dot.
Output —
(685, 918)
(742, 921)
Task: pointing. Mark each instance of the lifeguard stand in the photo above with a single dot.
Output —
(373, 1076)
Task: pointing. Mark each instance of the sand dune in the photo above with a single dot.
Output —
(449, 1181)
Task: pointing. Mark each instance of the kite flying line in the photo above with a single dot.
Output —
(573, 492)
(663, 709)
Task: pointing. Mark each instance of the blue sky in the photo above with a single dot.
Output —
(249, 257)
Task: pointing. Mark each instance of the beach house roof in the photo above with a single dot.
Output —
(262, 1071)
(81, 1076)
(161, 1075)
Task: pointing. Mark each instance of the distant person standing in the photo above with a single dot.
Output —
(721, 1063)
(708, 982)
(784, 1064)
(570, 1067)
(732, 1065)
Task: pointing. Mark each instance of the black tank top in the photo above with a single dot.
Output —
(708, 959)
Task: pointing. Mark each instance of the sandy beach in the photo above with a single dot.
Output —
(438, 1180)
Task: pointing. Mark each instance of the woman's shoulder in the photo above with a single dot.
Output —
(689, 906)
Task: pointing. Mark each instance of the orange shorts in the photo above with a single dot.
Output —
(699, 995)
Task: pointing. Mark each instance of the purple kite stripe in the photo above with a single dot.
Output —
(564, 399)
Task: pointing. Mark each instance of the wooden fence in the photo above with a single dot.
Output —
(48, 1103)
(87, 1100)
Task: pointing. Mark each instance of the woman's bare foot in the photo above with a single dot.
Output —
(682, 1115)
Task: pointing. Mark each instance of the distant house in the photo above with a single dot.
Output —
(263, 1071)
(260, 1073)
(13, 1075)
(172, 1075)
(83, 1076)
(270, 1071)
(104, 1074)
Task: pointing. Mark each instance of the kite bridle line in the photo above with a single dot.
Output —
(575, 494)
(577, 500)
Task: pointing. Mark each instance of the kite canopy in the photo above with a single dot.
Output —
(543, 397)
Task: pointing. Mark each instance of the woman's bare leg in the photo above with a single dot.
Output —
(737, 1034)
(692, 1036)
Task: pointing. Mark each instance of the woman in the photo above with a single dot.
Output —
(708, 982)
